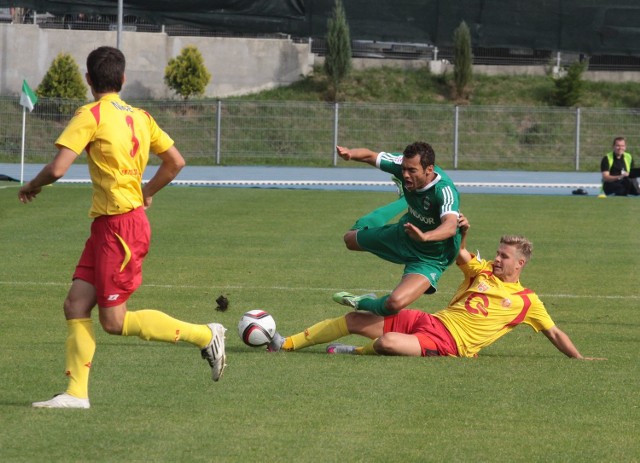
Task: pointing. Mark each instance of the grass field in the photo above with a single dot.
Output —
(281, 250)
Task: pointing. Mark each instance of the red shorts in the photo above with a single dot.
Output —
(435, 339)
(113, 255)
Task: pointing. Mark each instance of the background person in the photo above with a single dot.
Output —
(616, 167)
(117, 138)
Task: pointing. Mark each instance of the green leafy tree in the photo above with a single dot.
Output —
(462, 70)
(186, 74)
(63, 80)
(64, 85)
(569, 88)
(337, 63)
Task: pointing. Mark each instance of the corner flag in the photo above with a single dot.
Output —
(28, 99)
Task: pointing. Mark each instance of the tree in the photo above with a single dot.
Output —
(63, 83)
(568, 89)
(337, 62)
(186, 74)
(63, 80)
(462, 69)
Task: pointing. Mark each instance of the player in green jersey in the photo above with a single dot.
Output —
(425, 239)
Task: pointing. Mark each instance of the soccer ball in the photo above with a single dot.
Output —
(256, 328)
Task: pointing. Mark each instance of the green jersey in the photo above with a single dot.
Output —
(427, 206)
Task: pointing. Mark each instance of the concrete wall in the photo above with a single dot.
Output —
(237, 65)
(440, 67)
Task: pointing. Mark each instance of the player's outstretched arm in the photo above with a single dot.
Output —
(564, 344)
(357, 154)
(53, 171)
(172, 164)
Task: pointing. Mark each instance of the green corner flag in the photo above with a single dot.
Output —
(28, 99)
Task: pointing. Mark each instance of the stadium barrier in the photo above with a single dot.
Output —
(239, 132)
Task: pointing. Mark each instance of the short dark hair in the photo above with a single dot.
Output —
(617, 139)
(105, 66)
(422, 149)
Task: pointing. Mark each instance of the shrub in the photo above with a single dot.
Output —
(568, 89)
(63, 80)
(337, 62)
(64, 85)
(186, 74)
(462, 70)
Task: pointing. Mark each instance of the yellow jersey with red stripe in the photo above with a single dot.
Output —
(117, 138)
(486, 308)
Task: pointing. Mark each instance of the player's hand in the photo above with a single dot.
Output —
(343, 152)
(27, 193)
(147, 202)
(414, 232)
(463, 223)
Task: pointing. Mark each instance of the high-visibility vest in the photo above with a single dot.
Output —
(627, 160)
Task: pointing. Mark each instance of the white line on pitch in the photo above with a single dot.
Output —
(289, 288)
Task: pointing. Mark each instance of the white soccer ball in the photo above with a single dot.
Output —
(256, 328)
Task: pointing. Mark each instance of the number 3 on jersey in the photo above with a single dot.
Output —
(135, 144)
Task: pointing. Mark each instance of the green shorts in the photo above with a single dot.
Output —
(391, 243)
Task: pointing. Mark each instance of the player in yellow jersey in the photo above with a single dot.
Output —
(117, 139)
(489, 303)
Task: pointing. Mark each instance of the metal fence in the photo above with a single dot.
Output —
(238, 132)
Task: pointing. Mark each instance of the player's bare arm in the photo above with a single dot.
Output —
(564, 344)
(172, 164)
(49, 174)
(357, 154)
(446, 229)
(464, 255)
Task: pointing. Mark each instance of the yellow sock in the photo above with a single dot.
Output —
(324, 331)
(367, 349)
(79, 349)
(153, 325)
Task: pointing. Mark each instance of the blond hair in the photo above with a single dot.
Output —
(522, 245)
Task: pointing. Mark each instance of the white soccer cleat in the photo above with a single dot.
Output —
(351, 300)
(214, 352)
(63, 401)
(276, 343)
(341, 349)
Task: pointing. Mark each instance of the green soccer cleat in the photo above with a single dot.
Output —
(351, 300)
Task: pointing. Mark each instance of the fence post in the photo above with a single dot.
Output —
(218, 124)
(456, 118)
(577, 139)
(335, 133)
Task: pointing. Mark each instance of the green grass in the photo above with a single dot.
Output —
(394, 85)
(281, 250)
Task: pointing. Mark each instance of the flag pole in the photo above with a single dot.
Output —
(24, 123)
(28, 99)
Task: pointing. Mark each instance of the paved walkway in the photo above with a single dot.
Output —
(365, 178)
